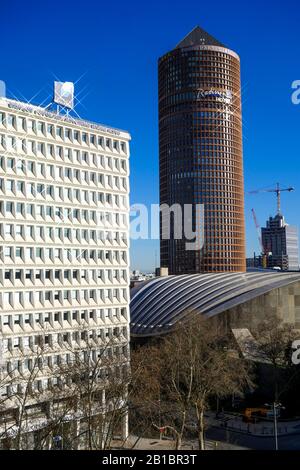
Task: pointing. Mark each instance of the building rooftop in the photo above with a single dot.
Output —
(198, 37)
(45, 112)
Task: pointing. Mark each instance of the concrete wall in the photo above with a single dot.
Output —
(283, 302)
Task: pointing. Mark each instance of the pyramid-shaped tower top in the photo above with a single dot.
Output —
(198, 37)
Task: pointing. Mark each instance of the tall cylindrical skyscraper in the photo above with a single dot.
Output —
(201, 156)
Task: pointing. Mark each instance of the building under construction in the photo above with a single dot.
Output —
(280, 242)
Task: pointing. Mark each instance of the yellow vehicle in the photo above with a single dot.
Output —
(251, 413)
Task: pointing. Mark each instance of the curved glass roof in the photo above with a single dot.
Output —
(158, 304)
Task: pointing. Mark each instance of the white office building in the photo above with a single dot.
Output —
(64, 240)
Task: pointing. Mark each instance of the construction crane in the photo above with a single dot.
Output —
(258, 230)
(263, 250)
(278, 190)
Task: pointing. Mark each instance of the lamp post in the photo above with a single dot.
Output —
(275, 424)
(276, 406)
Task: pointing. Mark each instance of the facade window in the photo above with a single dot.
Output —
(68, 134)
(31, 127)
(59, 131)
(40, 127)
(10, 120)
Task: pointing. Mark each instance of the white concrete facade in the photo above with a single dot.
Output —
(64, 239)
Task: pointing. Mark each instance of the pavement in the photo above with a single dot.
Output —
(229, 432)
(217, 438)
(141, 443)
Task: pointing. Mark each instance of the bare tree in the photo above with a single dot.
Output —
(85, 405)
(193, 364)
(97, 380)
(147, 405)
(274, 345)
(26, 409)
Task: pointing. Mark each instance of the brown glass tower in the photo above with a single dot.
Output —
(201, 157)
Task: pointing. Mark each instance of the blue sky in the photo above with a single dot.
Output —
(114, 47)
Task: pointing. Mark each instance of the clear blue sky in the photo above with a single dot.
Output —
(115, 46)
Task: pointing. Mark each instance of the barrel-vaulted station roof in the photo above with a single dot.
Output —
(157, 305)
